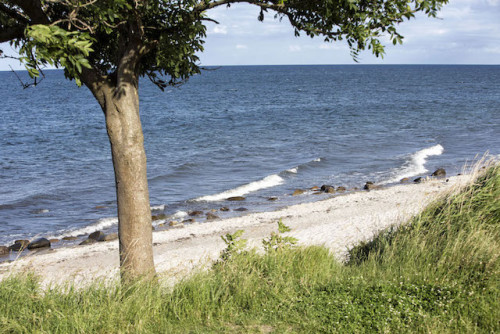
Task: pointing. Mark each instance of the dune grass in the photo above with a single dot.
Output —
(439, 274)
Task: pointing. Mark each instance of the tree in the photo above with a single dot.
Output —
(107, 45)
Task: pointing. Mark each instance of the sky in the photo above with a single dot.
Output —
(466, 32)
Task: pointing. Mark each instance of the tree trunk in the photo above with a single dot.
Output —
(121, 108)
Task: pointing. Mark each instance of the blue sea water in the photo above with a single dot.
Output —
(257, 131)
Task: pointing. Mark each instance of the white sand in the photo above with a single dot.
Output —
(338, 222)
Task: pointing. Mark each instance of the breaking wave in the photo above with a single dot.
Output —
(415, 164)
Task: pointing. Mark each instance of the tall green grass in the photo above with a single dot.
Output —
(439, 274)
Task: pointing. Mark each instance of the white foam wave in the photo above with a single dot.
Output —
(293, 170)
(158, 207)
(317, 160)
(415, 164)
(100, 225)
(267, 182)
(179, 214)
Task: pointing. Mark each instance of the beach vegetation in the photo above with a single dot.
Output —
(108, 45)
(439, 273)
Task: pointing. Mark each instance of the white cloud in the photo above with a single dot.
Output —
(294, 48)
(241, 46)
(222, 30)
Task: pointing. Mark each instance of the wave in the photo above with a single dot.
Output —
(267, 182)
(296, 169)
(100, 225)
(415, 164)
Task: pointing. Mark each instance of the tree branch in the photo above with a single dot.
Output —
(33, 9)
(13, 14)
(10, 33)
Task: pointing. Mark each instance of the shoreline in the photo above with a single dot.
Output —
(338, 223)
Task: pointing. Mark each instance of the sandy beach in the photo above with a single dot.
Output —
(337, 222)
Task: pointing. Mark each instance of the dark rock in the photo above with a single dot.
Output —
(97, 236)
(190, 220)
(236, 198)
(211, 216)
(19, 245)
(39, 243)
(341, 189)
(369, 186)
(224, 209)
(4, 250)
(195, 213)
(404, 180)
(88, 242)
(328, 189)
(159, 216)
(241, 209)
(110, 237)
(54, 241)
(440, 172)
(298, 192)
(274, 198)
(69, 238)
(418, 180)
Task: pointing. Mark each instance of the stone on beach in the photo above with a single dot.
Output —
(224, 209)
(440, 172)
(70, 238)
(39, 243)
(370, 185)
(87, 242)
(110, 237)
(211, 216)
(97, 236)
(19, 245)
(4, 250)
(341, 189)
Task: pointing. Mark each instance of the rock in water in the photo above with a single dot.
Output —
(241, 209)
(236, 198)
(19, 245)
(369, 186)
(404, 180)
(440, 172)
(328, 189)
(195, 213)
(341, 189)
(4, 250)
(39, 243)
(298, 192)
(224, 209)
(418, 180)
(97, 236)
(160, 216)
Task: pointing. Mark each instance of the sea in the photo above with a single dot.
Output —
(255, 131)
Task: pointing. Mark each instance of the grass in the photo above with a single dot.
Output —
(438, 274)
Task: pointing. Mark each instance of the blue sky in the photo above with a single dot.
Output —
(467, 32)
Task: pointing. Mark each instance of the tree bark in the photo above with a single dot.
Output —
(121, 107)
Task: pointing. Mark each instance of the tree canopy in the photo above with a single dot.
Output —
(77, 34)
